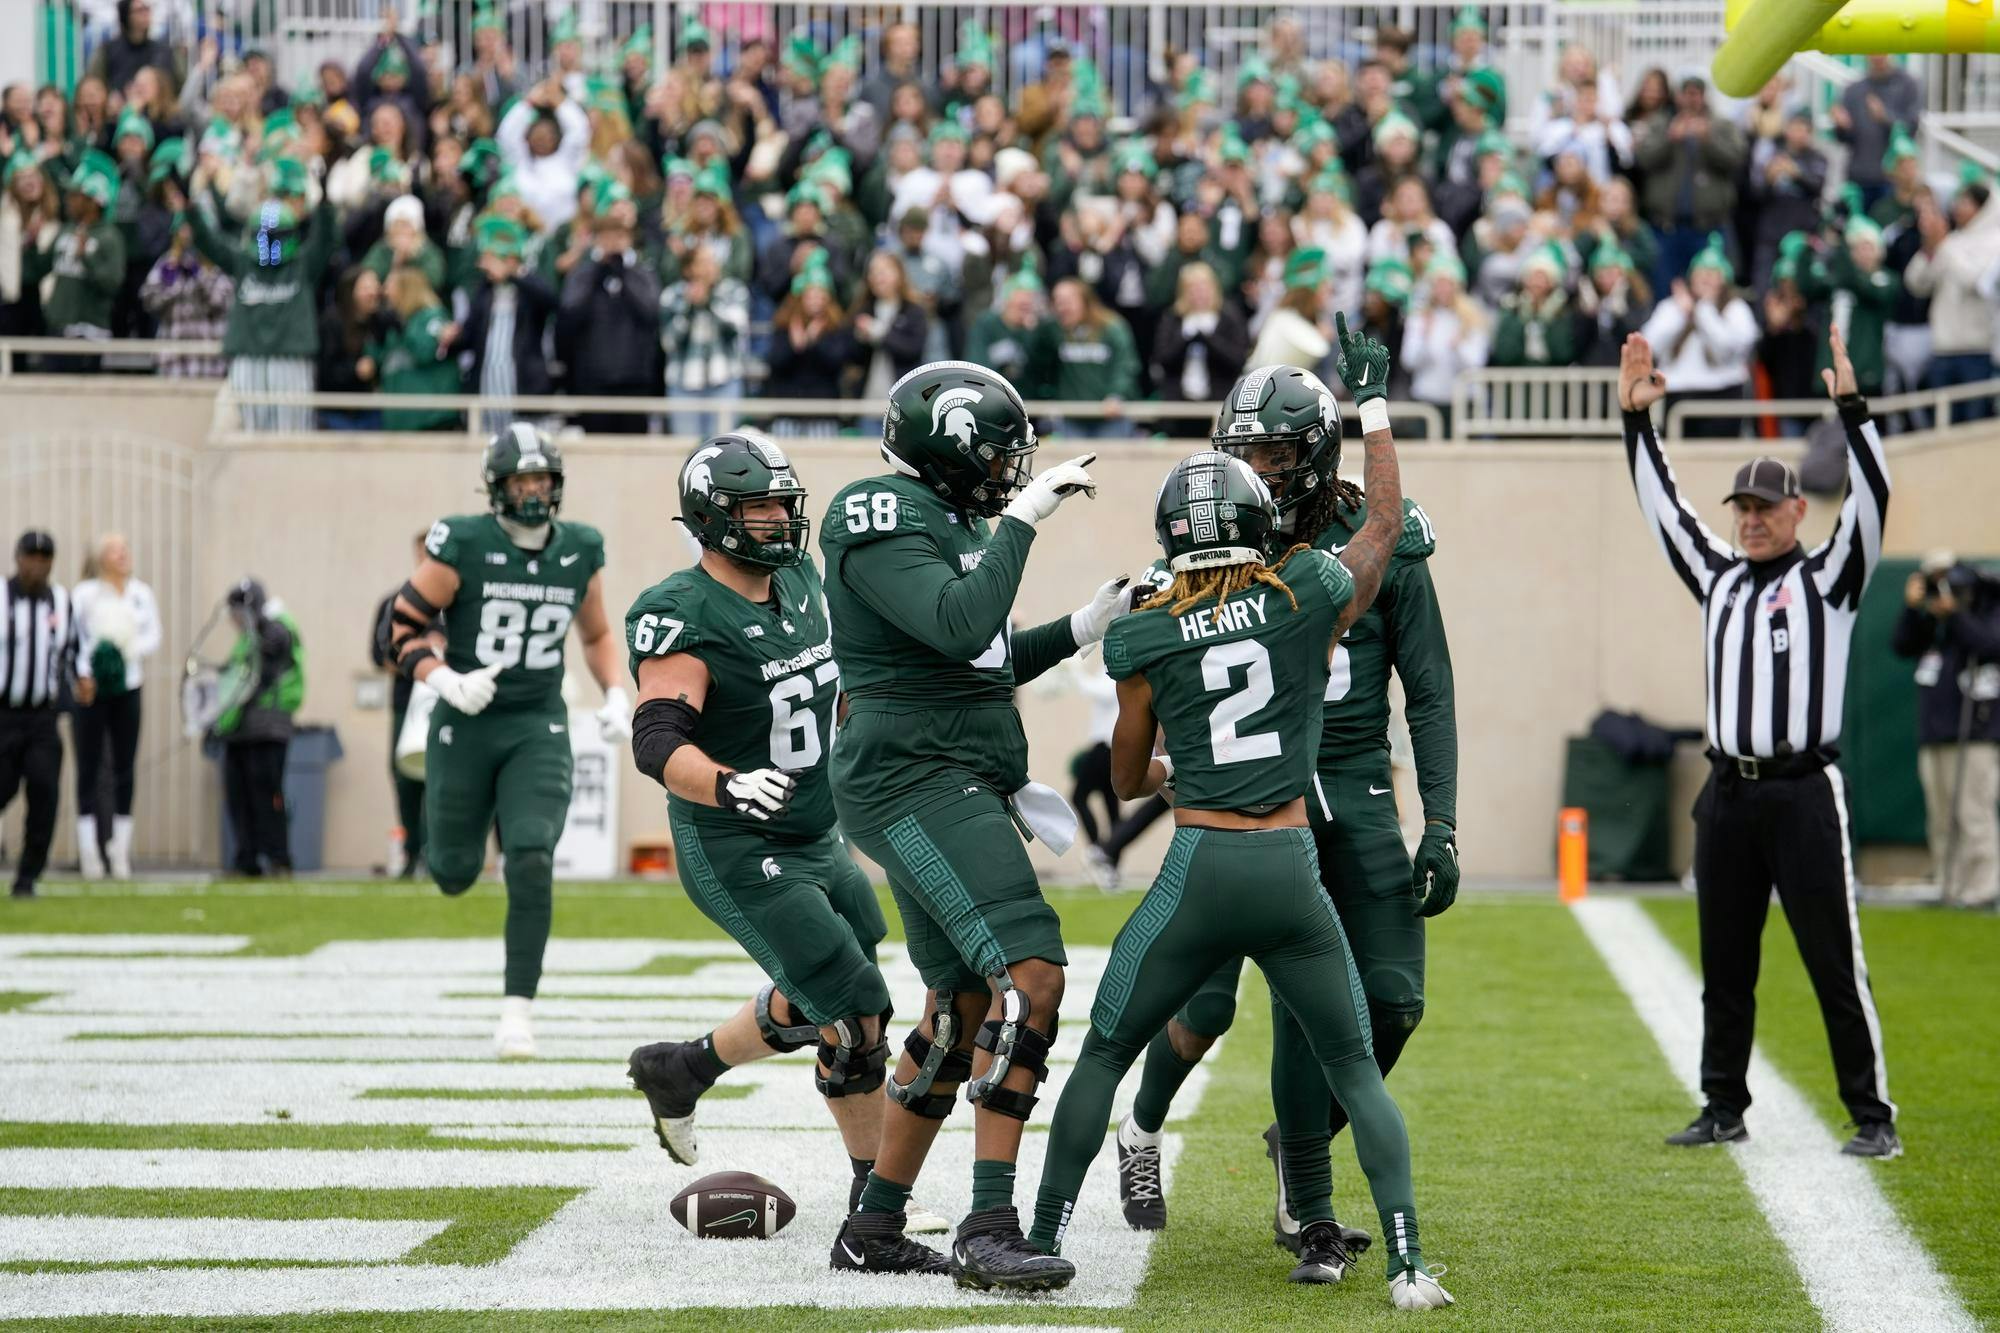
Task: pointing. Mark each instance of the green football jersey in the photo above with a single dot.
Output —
(1357, 687)
(514, 607)
(882, 660)
(772, 683)
(1237, 688)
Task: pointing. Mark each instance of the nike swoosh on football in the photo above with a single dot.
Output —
(1373, 790)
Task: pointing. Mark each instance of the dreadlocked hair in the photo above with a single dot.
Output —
(1191, 587)
(1323, 504)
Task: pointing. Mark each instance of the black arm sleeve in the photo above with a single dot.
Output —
(660, 727)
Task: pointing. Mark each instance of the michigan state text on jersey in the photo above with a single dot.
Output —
(930, 775)
(498, 755)
(737, 686)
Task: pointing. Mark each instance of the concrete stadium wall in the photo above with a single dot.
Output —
(1557, 601)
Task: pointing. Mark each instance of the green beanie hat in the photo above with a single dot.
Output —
(23, 160)
(501, 236)
(975, 47)
(168, 159)
(949, 129)
(565, 29)
(673, 164)
(393, 61)
(1861, 229)
(817, 271)
(713, 180)
(485, 20)
(1445, 264)
(1468, 17)
(480, 164)
(1027, 280)
(95, 177)
(802, 55)
(1393, 124)
(1136, 156)
(133, 122)
(1494, 143)
(1391, 280)
(1199, 90)
(1713, 256)
(289, 178)
(805, 192)
(1305, 268)
(608, 195)
(1549, 260)
(1901, 145)
(1485, 89)
(1609, 254)
(693, 33)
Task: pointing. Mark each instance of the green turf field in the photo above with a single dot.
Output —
(1536, 1100)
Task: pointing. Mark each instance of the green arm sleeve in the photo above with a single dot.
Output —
(1038, 649)
(1423, 662)
(906, 583)
(214, 247)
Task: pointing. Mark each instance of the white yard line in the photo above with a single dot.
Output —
(102, 1240)
(1861, 1266)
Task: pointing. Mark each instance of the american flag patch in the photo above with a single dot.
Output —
(1778, 598)
(1178, 527)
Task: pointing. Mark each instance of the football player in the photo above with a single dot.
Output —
(499, 752)
(737, 684)
(1286, 424)
(930, 776)
(1230, 663)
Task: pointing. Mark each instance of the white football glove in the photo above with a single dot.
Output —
(1089, 621)
(762, 793)
(614, 720)
(467, 691)
(1040, 497)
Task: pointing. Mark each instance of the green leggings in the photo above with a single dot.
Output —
(1222, 894)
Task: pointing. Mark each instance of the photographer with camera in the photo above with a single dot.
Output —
(1951, 626)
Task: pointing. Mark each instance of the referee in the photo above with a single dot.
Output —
(37, 652)
(1776, 624)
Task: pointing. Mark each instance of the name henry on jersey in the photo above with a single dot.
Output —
(818, 653)
(530, 592)
(1232, 615)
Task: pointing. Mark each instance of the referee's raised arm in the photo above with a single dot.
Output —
(1841, 564)
(1696, 554)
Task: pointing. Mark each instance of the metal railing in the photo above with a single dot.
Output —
(1571, 402)
(1934, 405)
(131, 350)
(727, 413)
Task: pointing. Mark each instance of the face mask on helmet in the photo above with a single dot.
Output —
(963, 430)
(522, 451)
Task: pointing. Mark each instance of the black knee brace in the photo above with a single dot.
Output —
(781, 1039)
(937, 1063)
(1014, 1045)
(851, 1067)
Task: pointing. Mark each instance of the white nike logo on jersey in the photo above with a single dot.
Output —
(1373, 790)
(555, 728)
(804, 604)
(568, 560)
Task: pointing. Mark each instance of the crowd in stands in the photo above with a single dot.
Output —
(434, 220)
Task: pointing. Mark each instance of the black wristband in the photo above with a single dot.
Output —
(1853, 408)
(414, 651)
(660, 727)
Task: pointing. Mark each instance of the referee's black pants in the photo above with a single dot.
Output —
(1791, 833)
(31, 755)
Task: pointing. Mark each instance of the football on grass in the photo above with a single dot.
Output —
(732, 1205)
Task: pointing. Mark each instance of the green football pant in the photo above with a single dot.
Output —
(803, 911)
(965, 889)
(510, 770)
(1223, 895)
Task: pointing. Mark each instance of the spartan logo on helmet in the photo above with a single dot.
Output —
(951, 414)
(696, 476)
(962, 430)
(1285, 423)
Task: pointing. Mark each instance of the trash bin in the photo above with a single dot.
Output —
(312, 751)
(1630, 836)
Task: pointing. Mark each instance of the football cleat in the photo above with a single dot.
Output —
(1139, 1192)
(1709, 1128)
(1323, 1256)
(1284, 1227)
(1876, 1139)
(515, 1038)
(1415, 1288)
(664, 1071)
(991, 1254)
(875, 1243)
(923, 1222)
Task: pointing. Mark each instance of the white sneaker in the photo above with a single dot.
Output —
(1416, 1289)
(119, 853)
(515, 1039)
(89, 858)
(921, 1221)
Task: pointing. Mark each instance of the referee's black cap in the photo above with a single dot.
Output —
(1766, 479)
(35, 542)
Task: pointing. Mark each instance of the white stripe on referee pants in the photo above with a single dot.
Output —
(1858, 1260)
(1860, 963)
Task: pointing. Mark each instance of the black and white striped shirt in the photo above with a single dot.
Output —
(1776, 634)
(37, 645)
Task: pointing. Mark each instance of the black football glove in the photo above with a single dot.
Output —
(1435, 877)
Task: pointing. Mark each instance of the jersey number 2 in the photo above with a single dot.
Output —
(795, 741)
(505, 627)
(1218, 666)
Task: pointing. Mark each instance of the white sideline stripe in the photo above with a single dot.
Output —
(106, 1240)
(1861, 1266)
(102, 946)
